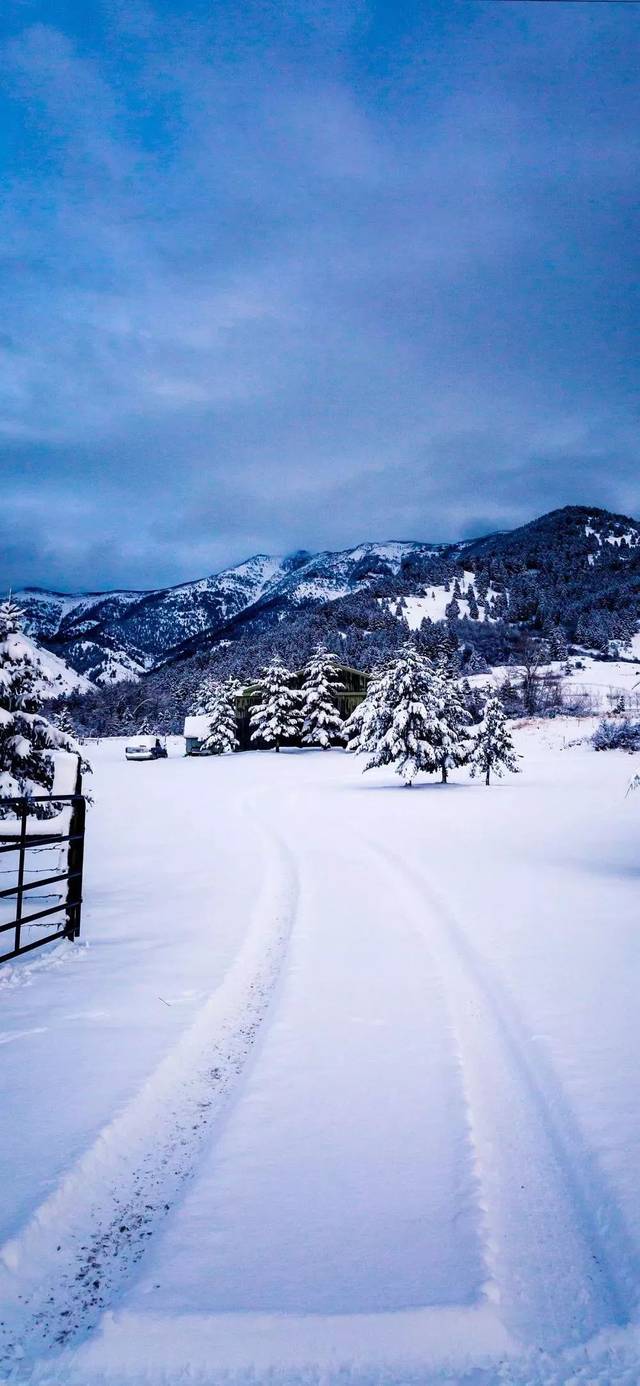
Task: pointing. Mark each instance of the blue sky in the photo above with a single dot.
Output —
(297, 273)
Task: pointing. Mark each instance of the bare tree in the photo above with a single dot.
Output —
(532, 655)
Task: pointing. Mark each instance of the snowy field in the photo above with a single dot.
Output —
(340, 1085)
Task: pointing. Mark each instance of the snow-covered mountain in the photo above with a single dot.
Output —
(111, 636)
(576, 568)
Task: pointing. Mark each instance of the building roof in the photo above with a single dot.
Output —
(197, 725)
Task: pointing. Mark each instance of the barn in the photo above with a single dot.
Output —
(354, 681)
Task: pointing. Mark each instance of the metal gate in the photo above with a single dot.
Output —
(25, 843)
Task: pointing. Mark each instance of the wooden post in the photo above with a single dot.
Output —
(22, 850)
(76, 861)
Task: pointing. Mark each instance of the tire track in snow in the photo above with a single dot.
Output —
(61, 1272)
(561, 1262)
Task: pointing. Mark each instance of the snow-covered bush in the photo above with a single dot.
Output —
(617, 736)
(26, 737)
(276, 715)
(322, 724)
(492, 748)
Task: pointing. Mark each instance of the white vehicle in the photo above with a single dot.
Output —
(146, 750)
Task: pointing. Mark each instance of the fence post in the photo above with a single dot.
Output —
(76, 861)
(22, 850)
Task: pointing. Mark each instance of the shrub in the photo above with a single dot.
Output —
(617, 736)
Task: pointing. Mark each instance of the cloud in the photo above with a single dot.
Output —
(311, 274)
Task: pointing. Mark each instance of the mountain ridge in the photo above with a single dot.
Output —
(126, 633)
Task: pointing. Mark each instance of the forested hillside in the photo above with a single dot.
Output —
(570, 578)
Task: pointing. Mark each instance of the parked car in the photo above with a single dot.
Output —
(146, 750)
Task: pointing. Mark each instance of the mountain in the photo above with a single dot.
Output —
(111, 636)
(573, 574)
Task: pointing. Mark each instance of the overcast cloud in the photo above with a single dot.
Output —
(300, 274)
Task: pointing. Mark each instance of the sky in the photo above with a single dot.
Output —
(289, 274)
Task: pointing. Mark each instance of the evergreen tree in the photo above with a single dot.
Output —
(63, 721)
(472, 602)
(500, 607)
(414, 718)
(452, 609)
(359, 727)
(492, 747)
(450, 744)
(482, 584)
(220, 709)
(322, 723)
(26, 736)
(276, 716)
(396, 723)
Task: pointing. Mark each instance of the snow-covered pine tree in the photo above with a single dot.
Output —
(474, 612)
(276, 716)
(322, 724)
(450, 739)
(63, 721)
(204, 694)
(492, 748)
(396, 723)
(25, 735)
(359, 727)
(220, 709)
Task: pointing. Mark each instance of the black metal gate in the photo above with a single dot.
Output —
(24, 836)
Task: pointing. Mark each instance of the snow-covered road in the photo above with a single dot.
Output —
(383, 1124)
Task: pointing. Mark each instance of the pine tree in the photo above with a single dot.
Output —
(322, 723)
(359, 726)
(220, 709)
(276, 716)
(492, 747)
(472, 603)
(450, 745)
(397, 723)
(63, 721)
(482, 584)
(26, 736)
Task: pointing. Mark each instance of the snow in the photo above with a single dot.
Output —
(49, 609)
(629, 537)
(107, 666)
(197, 725)
(320, 590)
(376, 1052)
(435, 601)
(56, 678)
(607, 684)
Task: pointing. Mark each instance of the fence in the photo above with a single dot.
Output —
(25, 836)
